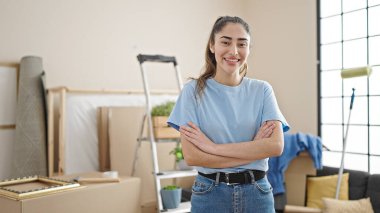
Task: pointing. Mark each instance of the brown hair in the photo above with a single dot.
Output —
(210, 62)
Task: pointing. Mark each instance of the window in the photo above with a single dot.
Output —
(348, 37)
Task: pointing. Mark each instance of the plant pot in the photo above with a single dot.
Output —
(182, 165)
(162, 130)
(171, 198)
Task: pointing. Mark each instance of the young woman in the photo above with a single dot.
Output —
(229, 126)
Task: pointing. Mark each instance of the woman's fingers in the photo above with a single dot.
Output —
(265, 130)
(188, 131)
(268, 132)
(192, 140)
(191, 124)
(260, 133)
(269, 129)
(185, 132)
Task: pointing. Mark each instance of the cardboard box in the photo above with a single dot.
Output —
(295, 178)
(121, 197)
(123, 130)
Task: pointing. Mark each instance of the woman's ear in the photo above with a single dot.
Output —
(212, 48)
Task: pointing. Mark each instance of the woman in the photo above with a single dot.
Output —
(229, 126)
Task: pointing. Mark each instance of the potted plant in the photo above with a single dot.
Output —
(171, 196)
(179, 159)
(160, 114)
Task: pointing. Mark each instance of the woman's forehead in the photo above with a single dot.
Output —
(233, 31)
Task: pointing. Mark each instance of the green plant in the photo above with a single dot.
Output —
(177, 152)
(170, 187)
(163, 109)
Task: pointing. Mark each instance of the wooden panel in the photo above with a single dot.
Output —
(50, 124)
(62, 138)
(103, 138)
(11, 126)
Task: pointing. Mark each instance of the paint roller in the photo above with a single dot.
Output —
(356, 72)
(349, 73)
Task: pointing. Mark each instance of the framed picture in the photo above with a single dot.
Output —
(34, 186)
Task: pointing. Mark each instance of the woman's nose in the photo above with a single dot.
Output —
(234, 50)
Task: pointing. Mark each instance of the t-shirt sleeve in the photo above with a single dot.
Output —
(271, 111)
(185, 108)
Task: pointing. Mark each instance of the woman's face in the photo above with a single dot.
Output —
(231, 48)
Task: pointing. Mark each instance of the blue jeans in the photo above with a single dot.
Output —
(209, 196)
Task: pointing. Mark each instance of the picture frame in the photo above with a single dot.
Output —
(33, 186)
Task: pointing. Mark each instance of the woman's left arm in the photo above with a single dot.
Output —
(250, 150)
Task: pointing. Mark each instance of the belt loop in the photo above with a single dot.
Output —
(252, 176)
(217, 178)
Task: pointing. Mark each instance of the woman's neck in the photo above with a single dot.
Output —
(228, 80)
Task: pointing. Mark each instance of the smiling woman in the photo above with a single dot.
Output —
(231, 52)
(229, 126)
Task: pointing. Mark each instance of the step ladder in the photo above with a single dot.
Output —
(158, 175)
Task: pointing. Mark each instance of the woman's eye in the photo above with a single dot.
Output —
(243, 44)
(225, 42)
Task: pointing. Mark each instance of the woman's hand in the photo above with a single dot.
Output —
(265, 130)
(194, 135)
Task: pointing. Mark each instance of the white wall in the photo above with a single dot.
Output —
(92, 44)
(285, 54)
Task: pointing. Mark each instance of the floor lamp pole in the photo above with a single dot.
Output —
(344, 147)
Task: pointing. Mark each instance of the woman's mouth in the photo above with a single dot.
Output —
(232, 60)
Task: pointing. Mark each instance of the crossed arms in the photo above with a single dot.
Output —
(199, 150)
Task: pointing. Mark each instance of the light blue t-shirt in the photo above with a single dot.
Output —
(228, 114)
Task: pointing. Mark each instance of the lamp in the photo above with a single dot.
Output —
(349, 73)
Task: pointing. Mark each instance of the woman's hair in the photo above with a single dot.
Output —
(210, 62)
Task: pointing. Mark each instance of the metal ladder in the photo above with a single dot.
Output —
(158, 175)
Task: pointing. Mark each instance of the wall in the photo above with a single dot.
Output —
(93, 44)
(284, 53)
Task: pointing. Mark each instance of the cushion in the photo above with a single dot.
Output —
(301, 209)
(325, 186)
(347, 206)
(373, 191)
(357, 182)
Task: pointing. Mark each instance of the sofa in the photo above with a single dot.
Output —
(361, 185)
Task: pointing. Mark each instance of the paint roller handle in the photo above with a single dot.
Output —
(352, 98)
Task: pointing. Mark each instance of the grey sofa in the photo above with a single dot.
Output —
(361, 185)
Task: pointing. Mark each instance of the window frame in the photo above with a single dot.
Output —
(368, 95)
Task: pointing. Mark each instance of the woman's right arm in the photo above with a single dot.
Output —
(196, 157)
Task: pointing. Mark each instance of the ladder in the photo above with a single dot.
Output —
(158, 175)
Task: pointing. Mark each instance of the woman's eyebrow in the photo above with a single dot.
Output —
(226, 37)
(229, 38)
